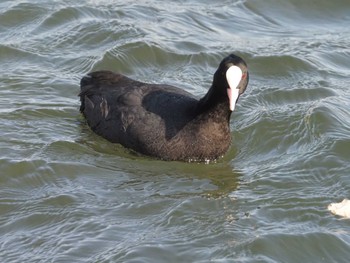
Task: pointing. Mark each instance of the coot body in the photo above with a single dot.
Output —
(163, 121)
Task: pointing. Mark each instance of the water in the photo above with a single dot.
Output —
(67, 195)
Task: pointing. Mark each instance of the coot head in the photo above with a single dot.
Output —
(231, 78)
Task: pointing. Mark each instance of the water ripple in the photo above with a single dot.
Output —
(68, 195)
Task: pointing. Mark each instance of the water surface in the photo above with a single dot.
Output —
(68, 195)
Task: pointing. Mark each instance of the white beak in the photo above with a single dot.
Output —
(233, 75)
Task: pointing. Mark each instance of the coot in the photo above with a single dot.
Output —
(163, 121)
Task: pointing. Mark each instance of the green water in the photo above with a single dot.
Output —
(67, 195)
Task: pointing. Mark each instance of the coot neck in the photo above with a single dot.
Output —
(215, 104)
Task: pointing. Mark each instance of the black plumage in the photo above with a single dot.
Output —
(161, 120)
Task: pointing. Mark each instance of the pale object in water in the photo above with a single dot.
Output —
(341, 209)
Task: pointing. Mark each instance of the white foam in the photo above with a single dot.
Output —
(341, 209)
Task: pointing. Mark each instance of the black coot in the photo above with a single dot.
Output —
(161, 120)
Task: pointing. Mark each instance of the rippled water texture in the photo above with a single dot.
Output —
(67, 195)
